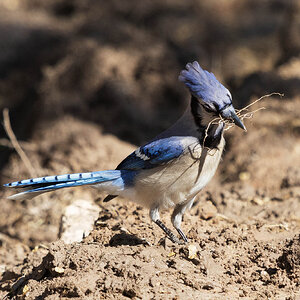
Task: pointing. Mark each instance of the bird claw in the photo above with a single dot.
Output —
(170, 234)
(182, 235)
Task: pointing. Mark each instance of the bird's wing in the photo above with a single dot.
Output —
(154, 153)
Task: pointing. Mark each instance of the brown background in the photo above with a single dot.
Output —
(85, 81)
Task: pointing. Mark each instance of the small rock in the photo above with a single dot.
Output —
(172, 253)
(59, 270)
(25, 290)
(78, 221)
(264, 275)
(244, 176)
(192, 251)
(2, 269)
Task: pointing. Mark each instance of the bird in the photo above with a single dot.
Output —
(172, 168)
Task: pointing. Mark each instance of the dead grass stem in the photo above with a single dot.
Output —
(246, 115)
(15, 143)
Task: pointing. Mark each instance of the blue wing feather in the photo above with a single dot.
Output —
(153, 154)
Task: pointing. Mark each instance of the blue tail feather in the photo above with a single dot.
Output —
(32, 187)
(109, 175)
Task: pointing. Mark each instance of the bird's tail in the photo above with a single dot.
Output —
(30, 188)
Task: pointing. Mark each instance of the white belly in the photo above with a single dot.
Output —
(179, 180)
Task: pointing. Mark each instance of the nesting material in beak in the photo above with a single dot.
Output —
(229, 114)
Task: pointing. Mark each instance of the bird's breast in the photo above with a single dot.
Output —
(180, 179)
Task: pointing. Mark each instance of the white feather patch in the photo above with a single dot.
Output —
(141, 155)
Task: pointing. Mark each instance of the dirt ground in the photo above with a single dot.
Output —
(85, 82)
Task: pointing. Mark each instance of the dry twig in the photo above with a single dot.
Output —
(25, 145)
(242, 116)
(15, 143)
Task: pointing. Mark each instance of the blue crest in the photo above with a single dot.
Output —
(204, 85)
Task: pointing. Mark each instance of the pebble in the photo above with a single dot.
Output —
(78, 221)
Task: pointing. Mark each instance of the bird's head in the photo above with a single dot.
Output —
(211, 95)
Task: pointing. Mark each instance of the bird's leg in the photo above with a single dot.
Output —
(176, 220)
(154, 215)
(177, 217)
(168, 232)
(182, 235)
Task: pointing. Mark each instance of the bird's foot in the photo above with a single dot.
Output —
(168, 232)
(182, 235)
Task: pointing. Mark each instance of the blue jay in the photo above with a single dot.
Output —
(171, 169)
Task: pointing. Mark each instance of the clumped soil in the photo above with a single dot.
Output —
(85, 82)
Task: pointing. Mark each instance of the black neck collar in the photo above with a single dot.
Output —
(208, 137)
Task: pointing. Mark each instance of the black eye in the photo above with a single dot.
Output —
(208, 108)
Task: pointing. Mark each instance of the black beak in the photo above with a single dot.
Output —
(237, 121)
(229, 113)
